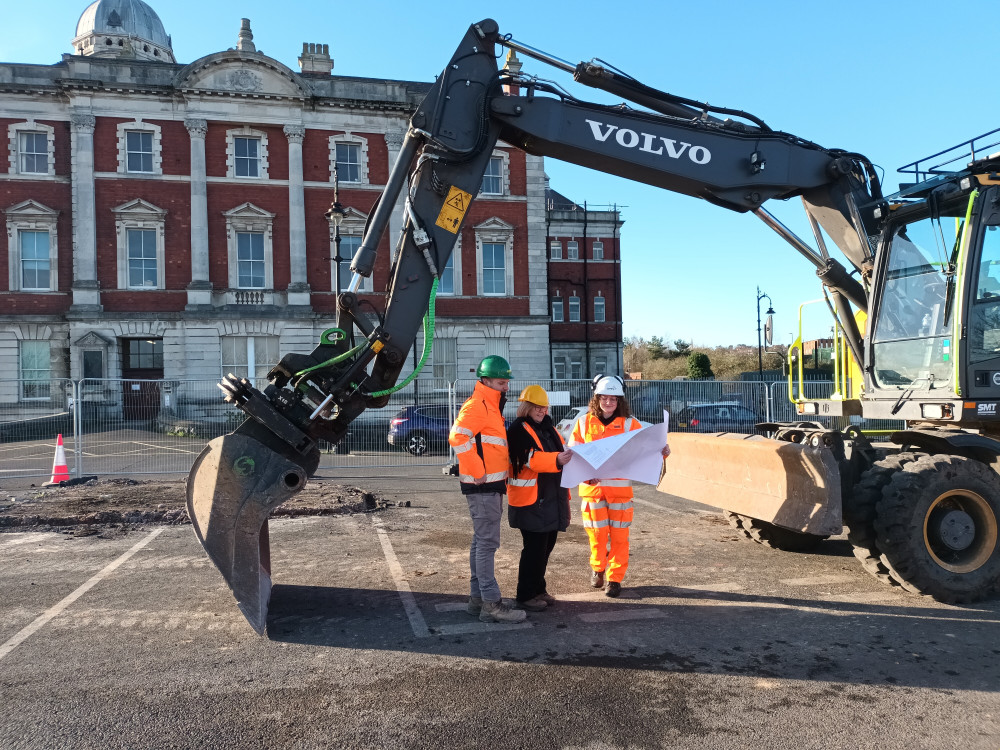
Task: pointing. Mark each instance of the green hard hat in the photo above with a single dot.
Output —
(494, 366)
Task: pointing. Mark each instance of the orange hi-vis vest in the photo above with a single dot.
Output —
(480, 417)
(522, 489)
(588, 429)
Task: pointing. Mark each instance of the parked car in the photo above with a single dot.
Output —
(568, 422)
(724, 416)
(419, 429)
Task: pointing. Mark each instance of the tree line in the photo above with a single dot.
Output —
(658, 360)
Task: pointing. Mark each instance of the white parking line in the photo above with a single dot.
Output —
(40, 621)
(413, 613)
(817, 580)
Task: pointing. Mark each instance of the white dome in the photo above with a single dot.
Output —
(123, 19)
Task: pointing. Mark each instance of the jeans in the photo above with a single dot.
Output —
(486, 508)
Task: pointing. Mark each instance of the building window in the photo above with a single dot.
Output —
(493, 178)
(446, 359)
(555, 250)
(496, 179)
(574, 309)
(557, 310)
(140, 233)
(447, 283)
(246, 153)
(600, 364)
(249, 357)
(31, 149)
(494, 245)
(144, 354)
(93, 364)
(497, 346)
(598, 250)
(140, 148)
(351, 230)
(32, 247)
(250, 260)
(349, 158)
(598, 309)
(35, 370)
(494, 268)
(36, 265)
(559, 368)
(576, 369)
(142, 266)
(349, 244)
(249, 231)
(573, 250)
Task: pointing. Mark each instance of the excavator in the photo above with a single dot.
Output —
(917, 306)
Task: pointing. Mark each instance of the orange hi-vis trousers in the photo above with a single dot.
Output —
(607, 521)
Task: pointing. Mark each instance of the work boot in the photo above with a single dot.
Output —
(474, 606)
(546, 597)
(535, 604)
(597, 579)
(499, 611)
(613, 589)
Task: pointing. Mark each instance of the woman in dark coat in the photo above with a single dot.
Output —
(537, 505)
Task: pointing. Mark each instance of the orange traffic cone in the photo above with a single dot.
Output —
(60, 472)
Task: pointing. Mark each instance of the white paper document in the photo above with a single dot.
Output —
(634, 455)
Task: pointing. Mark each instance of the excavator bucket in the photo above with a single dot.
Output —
(788, 484)
(234, 485)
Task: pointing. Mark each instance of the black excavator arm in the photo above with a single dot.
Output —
(673, 143)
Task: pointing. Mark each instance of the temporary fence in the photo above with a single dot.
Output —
(132, 426)
(783, 410)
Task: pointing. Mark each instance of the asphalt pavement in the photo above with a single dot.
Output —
(716, 642)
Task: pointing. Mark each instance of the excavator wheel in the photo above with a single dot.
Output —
(938, 526)
(773, 536)
(859, 514)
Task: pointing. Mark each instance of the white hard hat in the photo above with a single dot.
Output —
(609, 385)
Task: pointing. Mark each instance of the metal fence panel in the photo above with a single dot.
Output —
(784, 410)
(32, 414)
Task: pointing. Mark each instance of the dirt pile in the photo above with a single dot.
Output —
(103, 506)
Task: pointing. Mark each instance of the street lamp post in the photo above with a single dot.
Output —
(336, 214)
(760, 350)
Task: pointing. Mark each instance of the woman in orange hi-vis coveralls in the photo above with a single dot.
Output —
(607, 503)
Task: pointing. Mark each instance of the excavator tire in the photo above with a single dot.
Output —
(859, 514)
(937, 524)
(773, 536)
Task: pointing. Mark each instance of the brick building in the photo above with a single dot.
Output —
(166, 220)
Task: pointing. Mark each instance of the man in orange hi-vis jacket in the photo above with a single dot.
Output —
(607, 503)
(479, 437)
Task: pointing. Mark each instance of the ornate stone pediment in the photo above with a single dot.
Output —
(238, 73)
(92, 340)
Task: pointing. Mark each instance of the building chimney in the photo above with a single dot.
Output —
(512, 66)
(244, 42)
(315, 59)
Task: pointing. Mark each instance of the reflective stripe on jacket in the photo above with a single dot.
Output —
(587, 430)
(522, 489)
(480, 416)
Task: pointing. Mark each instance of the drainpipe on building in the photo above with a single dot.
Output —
(548, 277)
(585, 303)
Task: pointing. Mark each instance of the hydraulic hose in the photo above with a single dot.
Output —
(428, 345)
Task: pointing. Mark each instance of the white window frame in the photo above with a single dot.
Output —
(600, 364)
(20, 369)
(504, 158)
(262, 164)
(456, 270)
(31, 216)
(598, 250)
(558, 309)
(353, 225)
(140, 214)
(253, 219)
(445, 358)
(555, 250)
(138, 126)
(574, 306)
(599, 310)
(576, 367)
(349, 138)
(497, 231)
(572, 250)
(559, 367)
(14, 131)
(255, 367)
(497, 346)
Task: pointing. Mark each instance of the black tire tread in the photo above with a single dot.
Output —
(773, 536)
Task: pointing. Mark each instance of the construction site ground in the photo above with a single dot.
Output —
(117, 632)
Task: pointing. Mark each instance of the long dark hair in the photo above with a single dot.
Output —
(622, 410)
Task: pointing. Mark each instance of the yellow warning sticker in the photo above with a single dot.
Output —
(453, 210)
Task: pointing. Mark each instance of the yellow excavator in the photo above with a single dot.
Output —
(921, 511)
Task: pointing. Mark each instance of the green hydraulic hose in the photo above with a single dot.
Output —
(428, 343)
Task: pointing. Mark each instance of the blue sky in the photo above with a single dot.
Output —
(893, 81)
